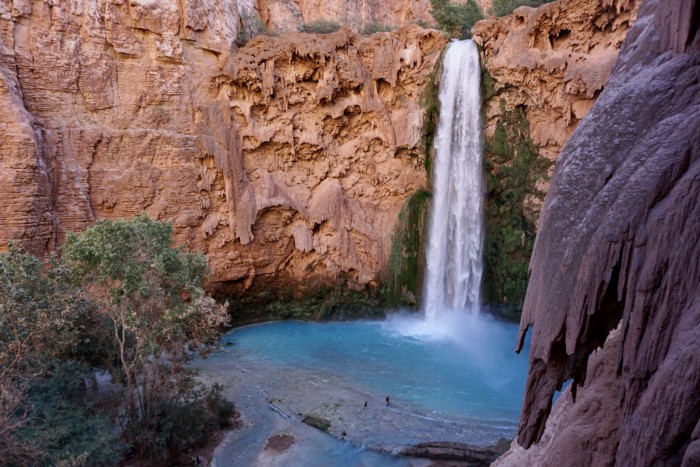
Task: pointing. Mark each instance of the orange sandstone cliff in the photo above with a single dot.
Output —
(553, 61)
(288, 158)
(285, 161)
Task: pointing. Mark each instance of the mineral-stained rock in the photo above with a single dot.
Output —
(553, 60)
(317, 422)
(285, 15)
(290, 157)
(582, 433)
(619, 245)
(465, 454)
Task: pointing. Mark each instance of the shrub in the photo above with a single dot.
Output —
(423, 24)
(151, 297)
(506, 7)
(405, 265)
(68, 428)
(374, 28)
(456, 19)
(252, 26)
(183, 423)
(321, 26)
(40, 320)
(121, 290)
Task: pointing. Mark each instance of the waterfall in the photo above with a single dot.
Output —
(455, 237)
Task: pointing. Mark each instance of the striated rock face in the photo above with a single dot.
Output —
(553, 60)
(288, 159)
(288, 15)
(619, 245)
(331, 131)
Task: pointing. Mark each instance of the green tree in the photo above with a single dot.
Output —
(40, 316)
(151, 296)
(70, 429)
(456, 19)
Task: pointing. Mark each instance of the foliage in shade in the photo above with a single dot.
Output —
(322, 303)
(405, 275)
(514, 170)
(506, 7)
(374, 28)
(252, 26)
(68, 428)
(456, 19)
(121, 300)
(41, 319)
(152, 298)
(321, 26)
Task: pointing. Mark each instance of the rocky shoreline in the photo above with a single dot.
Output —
(274, 401)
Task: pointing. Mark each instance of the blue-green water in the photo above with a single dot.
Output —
(463, 367)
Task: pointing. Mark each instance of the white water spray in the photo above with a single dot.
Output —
(455, 238)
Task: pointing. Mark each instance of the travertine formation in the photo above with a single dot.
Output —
(553, 60)
(619, 245)
(288, 15)
(580, 433)
(286, 159)
(359, 15)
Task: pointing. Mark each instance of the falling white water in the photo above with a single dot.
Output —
(455, 238)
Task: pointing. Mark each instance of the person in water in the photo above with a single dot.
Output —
(365, 404)
(388, 401)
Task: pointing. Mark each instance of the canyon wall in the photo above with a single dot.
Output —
(288, 15)
(619, 247)
(553, 61)
(287, 159)
(543, 69)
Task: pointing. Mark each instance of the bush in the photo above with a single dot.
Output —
(506, 7)
(64, 424)
(456, 19)
(406, 263)
(514, 169)
(121, 291)
(321, 26)
(183, 423)
(252, 26)
(41, 316)
(374, 28)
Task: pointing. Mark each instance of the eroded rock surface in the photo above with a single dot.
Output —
(582, 433)
(619, 245)
(553, 60)
(288, 15)
(289, 158)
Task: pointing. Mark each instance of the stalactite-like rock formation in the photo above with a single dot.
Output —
(286, 160)
(619, 246)
(553, 61)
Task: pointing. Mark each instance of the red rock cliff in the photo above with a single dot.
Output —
(289, 158)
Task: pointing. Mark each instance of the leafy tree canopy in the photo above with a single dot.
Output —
(456, 19)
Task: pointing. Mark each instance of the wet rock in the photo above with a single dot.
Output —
(317, 422)
(472, 455)
(280, 442)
